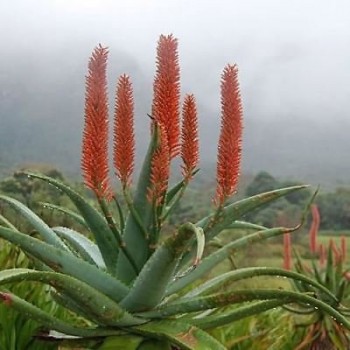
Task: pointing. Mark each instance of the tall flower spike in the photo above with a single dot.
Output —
(160, 169)
(94, 162)
(343, 247)
(124, 138)
(166, 92)
(230, 140)
(314, 228)
(189, 137)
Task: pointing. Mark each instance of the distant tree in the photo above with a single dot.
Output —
(262, 182)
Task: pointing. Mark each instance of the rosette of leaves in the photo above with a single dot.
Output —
(136, 286)
(318, 329)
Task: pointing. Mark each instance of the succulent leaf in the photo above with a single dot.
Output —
(67, 263)
(87, 249)
(134, 235)
(149, 287)
(104, 237)
(47, 234)
(225, 252)
(105, 311)
(187, 336)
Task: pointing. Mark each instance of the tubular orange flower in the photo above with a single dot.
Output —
(314, 228)
(230, 141)
(189, 137)
(124, 139)
(287, 253)
(322, 254)
(94, 162)
(160, 169)
(343, 247)
(166, 90)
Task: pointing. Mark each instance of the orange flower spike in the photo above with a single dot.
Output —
(124, 138)
(287, 252)
(160, 170)
(343, 247)
(166, 92)
(322, 255)
(94, 163)
(230, 141)
(314, 228)
(189, 137)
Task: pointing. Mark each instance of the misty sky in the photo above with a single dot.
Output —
(294, 56)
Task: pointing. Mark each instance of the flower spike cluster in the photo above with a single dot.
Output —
(94, 162)
(166, 92)
(230, 141)
(189, 137)
(124, 138)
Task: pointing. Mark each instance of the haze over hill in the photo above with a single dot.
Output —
(294, 75)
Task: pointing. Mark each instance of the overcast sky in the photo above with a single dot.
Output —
(294, 56)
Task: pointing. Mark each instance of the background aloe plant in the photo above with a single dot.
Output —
(328, 268)
(136, 286)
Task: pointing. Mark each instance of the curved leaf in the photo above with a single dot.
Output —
(149, 287)
(216, 283)
(214, 224)
(14, 302)
(47, 234)
(104, 237)
(186, 336)
(75, 216)
(225, 252)
(87, 249)
(67, 263)
(238, 296)
(105, 311)
(222, 319)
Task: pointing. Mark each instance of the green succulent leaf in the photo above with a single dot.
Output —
(149, 287)
(47, 234)
(70, 213)
(121, 342)
(67, 263)
(14, 302)
(217, 283)
(186, 336)
(138, 221)
(222, 319)
(217, 300)
(225, 252)
(105, 311)
(243, 225)
(217, 222)
(87, 249)
(104, 237)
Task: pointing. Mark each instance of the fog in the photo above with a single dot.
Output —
(293, 58)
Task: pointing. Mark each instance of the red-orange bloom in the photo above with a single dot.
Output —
(287, 254)
(166, 92)
(189, 137)
(124, 139)
(230, 141)
(94, 162)
(314, 228)
(160, 170)
(322, 254)
(343, 247)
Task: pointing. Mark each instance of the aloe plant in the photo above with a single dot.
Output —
(136, 286)
(328, 268)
